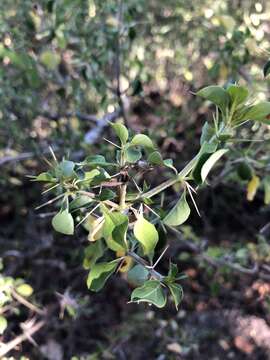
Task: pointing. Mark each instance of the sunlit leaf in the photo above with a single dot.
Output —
(115, 229)
(95, 227)
(146, 234)
(266, 184)
(210, 162)
(179, 213)
(24, 290)
(252, 187)
(121, 131)
(142, 140)
(63, 223)
(3, 324)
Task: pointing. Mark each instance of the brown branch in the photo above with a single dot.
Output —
(5, 348)
(26, 303)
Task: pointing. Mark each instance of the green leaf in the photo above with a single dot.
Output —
(79, 202)
(65, 168)
(179, 213)
(132, 155)
(102, 176)
(121, 131)
(207, 166)
(177, 293)
(99, 274)
(207, 133)
(169, 164)
(50, 59)
(3, 324)
(90, 175)
(258, 112)
(115, 229)
(155, 158)
(244, 171)
(63, 222)
(266, 69)
(151, 292)
(146, 234)
(24, 290)
(217, 95)
(206, 150)
(106, 194)
(137, 275)
(97, 160)
(45, 176)
(173, 271)
(238, 94)
(92, 253)
(142, 140)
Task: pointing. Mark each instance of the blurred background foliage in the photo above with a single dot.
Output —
(65, 64)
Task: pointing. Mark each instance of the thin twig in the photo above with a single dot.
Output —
(5, 348)
(26, 303)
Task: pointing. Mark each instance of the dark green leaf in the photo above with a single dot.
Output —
(266, 69)
(151, 292)
(102, 176)
(99, 274)
(258, 112)
(155, 158)
(206, 150)
(92, 253)
(207, 133)
(238, 94)
(137, 275)
(217, 95)
(244, 171)
(177, 293)
(106, 194)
